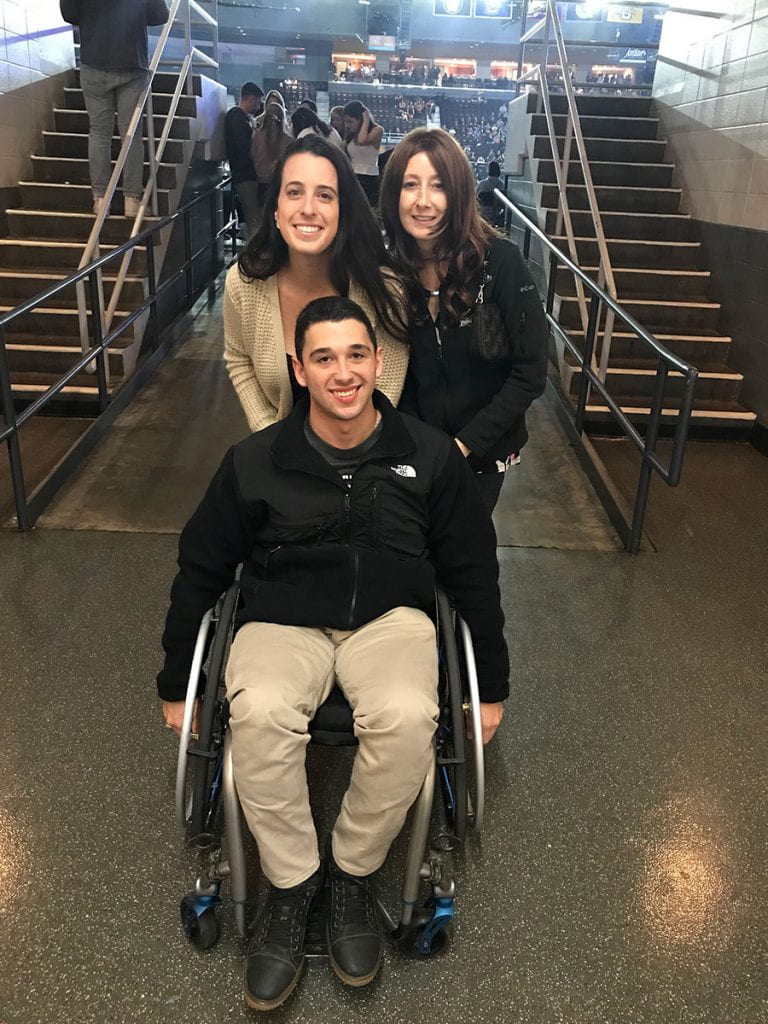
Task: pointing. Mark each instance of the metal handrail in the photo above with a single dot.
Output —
(149, 196)
(14, 421)
(667, 362)
(573, 133)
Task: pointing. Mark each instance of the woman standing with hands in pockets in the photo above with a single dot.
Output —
(473, 371)
(318, 237)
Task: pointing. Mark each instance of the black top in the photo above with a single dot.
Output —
(481, 402)
(113, 35)
(237, 139)
(316, 552)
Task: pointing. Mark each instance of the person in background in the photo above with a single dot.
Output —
(270, 140)
(336, 120)
(309, 104)
(318, 237)
(238, 131)
(363, 138)
(475, 385)
(114, 68)
(304, 121)
(489, 204)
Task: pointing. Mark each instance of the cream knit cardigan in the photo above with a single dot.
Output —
(254, 349)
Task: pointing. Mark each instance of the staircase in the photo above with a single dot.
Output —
(47, 236)
(661, 279)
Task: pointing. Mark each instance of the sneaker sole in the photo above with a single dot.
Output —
(261, 1004)
(347, 979)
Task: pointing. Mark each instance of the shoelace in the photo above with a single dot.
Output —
(354, 906)
(282, 924)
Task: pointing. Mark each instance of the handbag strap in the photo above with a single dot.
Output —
(480, 295)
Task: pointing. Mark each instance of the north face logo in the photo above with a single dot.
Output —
(403, 470)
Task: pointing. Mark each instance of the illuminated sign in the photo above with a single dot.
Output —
(453, 8)
(493, 8)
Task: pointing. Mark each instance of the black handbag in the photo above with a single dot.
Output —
(489, 335)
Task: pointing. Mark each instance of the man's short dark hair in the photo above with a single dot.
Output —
(330, 309)
(494, 171)
(310, 104)
(250, 89)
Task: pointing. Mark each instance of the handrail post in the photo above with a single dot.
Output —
(14, 448)
(214, 248)
(188, 258)
(150, 116)
(521, 56)
(553, 266)
(102, 369)
(646, 469)
(188, 45)
(152, 279)
(587, 355)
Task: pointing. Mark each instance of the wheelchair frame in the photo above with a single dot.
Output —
(422, 931)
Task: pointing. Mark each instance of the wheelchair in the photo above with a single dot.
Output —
(452, 795)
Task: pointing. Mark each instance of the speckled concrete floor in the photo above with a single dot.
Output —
(621, 876)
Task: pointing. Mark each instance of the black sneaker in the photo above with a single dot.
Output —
(275, 957)
(354, 930)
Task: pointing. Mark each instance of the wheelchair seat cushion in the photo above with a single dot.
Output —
(333, 725)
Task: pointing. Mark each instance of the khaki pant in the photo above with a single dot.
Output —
(277, 677)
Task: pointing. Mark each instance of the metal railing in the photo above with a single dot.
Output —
(628, 525)
(180, 15)
(573, 133)
(29, 507)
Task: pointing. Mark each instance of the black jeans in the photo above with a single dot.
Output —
(490, 485)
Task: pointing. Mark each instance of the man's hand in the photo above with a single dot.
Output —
(462, 447)
(173, 713)
(490, 717)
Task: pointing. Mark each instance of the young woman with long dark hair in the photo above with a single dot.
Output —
(317, 237)
(363, 139)
(474, 384)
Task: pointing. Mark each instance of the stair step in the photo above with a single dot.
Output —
(600, 126)
(621, 150)
(635, 383)
(18, 286)
(57, 359)
(22, 254)
(164, 81)
(697, 349)
(76, 122)
(74, 171)
(654, 314)
(83, 387)
(611, 173)
(706, 412)
(58, 225)
(161, 102)
(621, 106)
(76, 146)
(636, 252)
(674, 227)
(49, 195)
(648, 282)
(616, 198)
(49, 325)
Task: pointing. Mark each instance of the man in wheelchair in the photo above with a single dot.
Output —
(341, 516)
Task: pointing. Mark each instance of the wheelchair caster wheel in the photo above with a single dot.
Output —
(202, 930)
(422, 943)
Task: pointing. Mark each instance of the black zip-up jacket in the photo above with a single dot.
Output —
(113, 33)
(317, 553)
(482, 402)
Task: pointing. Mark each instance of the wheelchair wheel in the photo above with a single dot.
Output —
(202, 929)
(428, 935)
(206, 753)
(451, 730)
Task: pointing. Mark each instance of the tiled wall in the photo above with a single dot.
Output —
(35, 54)
(713, 103)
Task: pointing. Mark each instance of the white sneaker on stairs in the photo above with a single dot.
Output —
(131, 207)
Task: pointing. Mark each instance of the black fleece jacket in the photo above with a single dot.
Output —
(113, 33)
(482, 402)
(317, 553)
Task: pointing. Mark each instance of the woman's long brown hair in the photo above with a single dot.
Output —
(464, 237)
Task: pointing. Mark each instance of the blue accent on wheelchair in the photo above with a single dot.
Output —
(443, 911)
